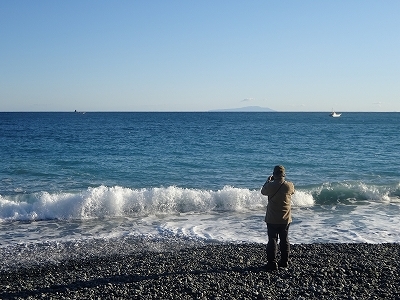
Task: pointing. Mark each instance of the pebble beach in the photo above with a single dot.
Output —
(215, 271)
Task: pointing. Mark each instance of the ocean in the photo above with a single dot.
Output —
(81, 184)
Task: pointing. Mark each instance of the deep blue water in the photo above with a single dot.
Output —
(72, 151)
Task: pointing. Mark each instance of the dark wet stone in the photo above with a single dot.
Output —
(227, 271)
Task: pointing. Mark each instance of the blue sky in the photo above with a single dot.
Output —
(199, 55)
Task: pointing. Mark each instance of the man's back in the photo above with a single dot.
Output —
(279, 201)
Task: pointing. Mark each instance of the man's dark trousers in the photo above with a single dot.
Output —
(275, 231)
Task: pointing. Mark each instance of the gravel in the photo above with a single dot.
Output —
(216, 271)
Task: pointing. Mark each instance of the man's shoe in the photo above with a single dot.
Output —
(272, 266)
(283, 264)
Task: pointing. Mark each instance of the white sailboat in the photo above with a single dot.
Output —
(334, 114)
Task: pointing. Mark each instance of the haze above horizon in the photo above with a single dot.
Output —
(199, 56)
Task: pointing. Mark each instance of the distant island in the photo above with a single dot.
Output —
(245, 109)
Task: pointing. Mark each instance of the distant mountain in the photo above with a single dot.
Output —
(245, 109)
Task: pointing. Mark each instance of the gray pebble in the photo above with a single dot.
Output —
(218, 271)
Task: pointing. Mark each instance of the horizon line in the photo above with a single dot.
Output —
(185, 111)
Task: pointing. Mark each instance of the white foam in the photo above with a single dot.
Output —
(230, 214)
(302, 199)
(102, 201)
(373, 223)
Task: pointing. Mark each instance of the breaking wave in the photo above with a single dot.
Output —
(103, 201)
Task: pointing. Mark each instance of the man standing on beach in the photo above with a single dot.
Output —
(278, 216)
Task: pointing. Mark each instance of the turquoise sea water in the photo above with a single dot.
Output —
(69, 152)
(76, 177)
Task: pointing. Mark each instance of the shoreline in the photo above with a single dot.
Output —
(224, 271)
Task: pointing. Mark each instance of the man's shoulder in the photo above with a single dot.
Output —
(289, 185)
